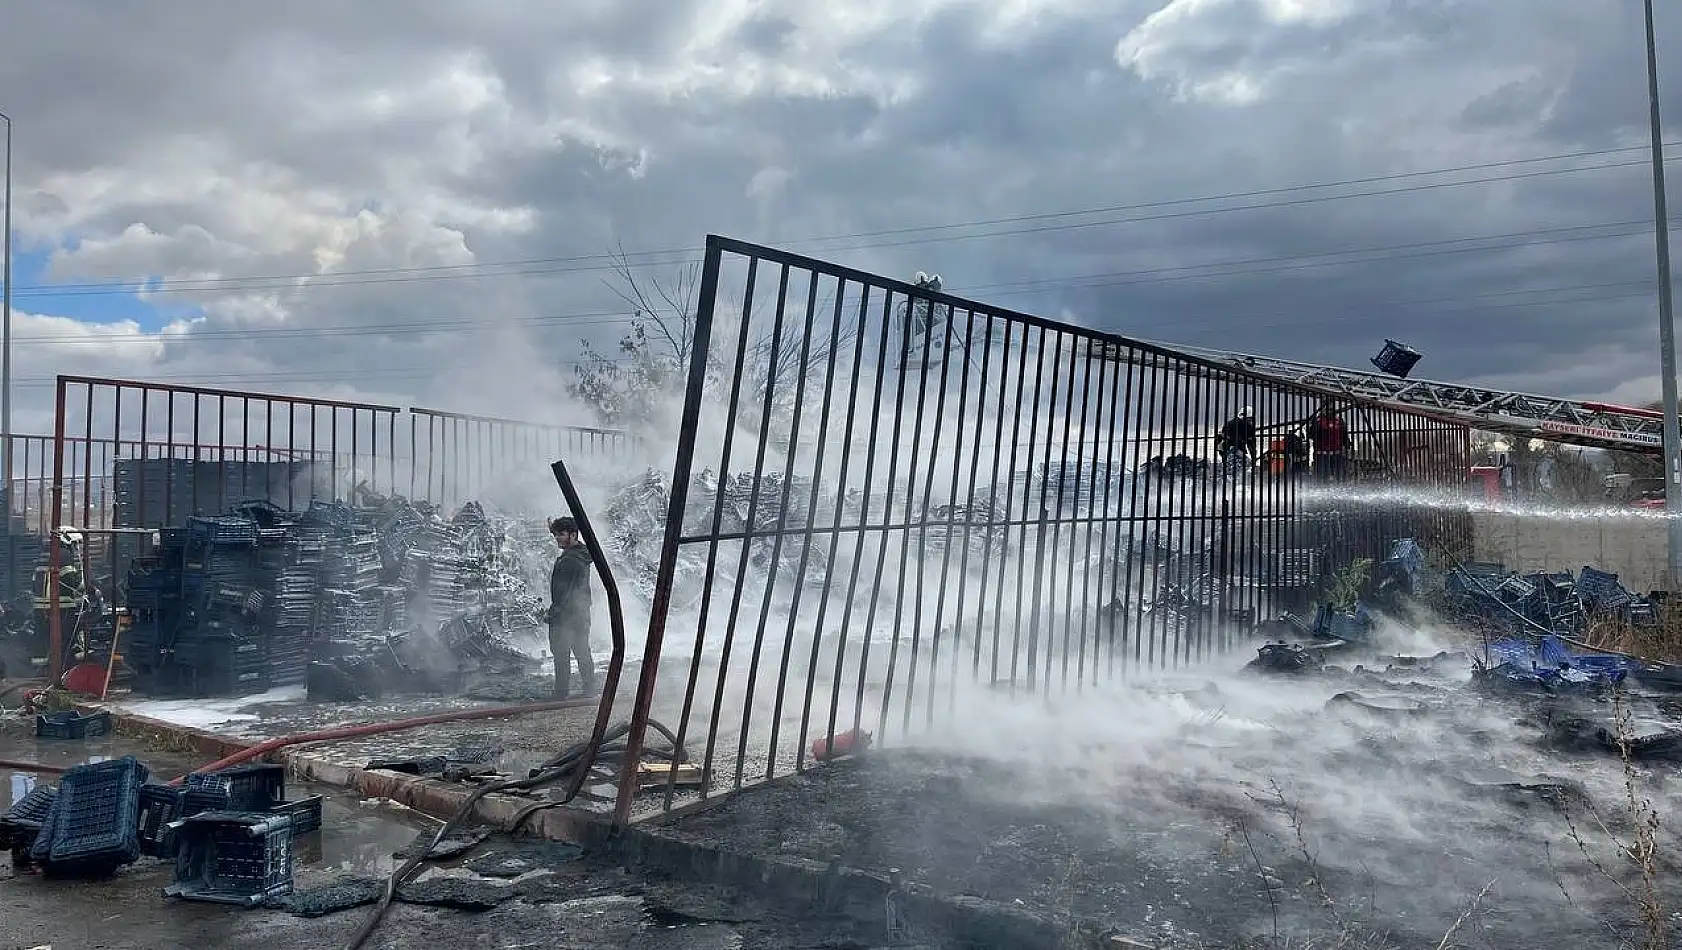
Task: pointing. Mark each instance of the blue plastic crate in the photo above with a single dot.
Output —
(95, 820)
(42, 846)
(21, 824)
(304, 814)
(232, 858)
(223, 530)
(255, 787)
(70, 724)
(160, 805)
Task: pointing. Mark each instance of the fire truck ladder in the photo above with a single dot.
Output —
(1594, 424)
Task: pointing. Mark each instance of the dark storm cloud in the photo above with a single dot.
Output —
(258, 140)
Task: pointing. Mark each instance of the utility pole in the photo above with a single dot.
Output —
(1667, 318)
(6, 347)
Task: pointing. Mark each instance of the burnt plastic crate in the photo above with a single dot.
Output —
(160, 805)
(33, 807)
(70, 724)
(22, 822)
(250, 788)
(232, 858)
(305, 814)
(43, 843)
(95, 819)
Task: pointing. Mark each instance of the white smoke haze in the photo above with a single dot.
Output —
(944, 648)
(940, 654)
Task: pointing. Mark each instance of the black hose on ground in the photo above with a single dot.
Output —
(574, 765)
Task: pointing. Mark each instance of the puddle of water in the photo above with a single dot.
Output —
(14, 784)
(356, 835)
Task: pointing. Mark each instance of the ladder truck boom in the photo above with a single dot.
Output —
(1577, 422)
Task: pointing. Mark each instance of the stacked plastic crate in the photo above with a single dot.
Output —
(222, 649)
(20, 554)
(351, 603)
(156, 608)
(21, 823)
(289, 560)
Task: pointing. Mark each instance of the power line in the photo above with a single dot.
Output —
(1248, 319)
(1419, 249)
(610, 318)
(1212, 269)
(585, 318)
(680, 256)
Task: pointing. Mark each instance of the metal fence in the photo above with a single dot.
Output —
(455, 457)
(885, 497)
(128, 457)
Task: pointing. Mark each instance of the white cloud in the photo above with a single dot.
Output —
(396, 146)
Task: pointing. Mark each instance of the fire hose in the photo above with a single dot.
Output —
(376, 728)
(574, 764)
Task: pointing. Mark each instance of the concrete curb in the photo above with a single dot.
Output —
(796, 883)
(171, 736)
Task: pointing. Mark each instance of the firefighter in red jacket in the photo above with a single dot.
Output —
(1330, 438)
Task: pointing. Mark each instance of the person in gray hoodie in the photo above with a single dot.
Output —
(569, 610)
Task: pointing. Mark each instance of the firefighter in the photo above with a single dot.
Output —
(1236, 442)
(568, 615)
(1330, 438)
(1296, 453)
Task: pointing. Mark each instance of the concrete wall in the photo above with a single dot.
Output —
(1631, 546)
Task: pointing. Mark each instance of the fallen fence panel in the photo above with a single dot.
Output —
(886, 498)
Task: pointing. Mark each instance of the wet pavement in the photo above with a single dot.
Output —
(504, 893)
(515, 743)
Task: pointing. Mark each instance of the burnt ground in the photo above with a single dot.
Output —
(1264, 811)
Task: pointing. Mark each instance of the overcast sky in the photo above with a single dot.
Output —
(462, 165)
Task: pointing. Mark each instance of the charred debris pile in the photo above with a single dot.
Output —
(1526, 642)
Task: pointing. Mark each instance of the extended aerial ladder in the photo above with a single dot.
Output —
(1522, 415)
(1594, 424)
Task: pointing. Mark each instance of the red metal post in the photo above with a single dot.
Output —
(55, 556)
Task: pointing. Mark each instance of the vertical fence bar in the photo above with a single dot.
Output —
(1097, 513)
(771, 376)
(895, 440)
(750, 529)
(950, 534)
(918, 450)
(861, 535)
(818, 456)
(935, 448)
(661, 606)
(1004, 479)
(808, 324)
